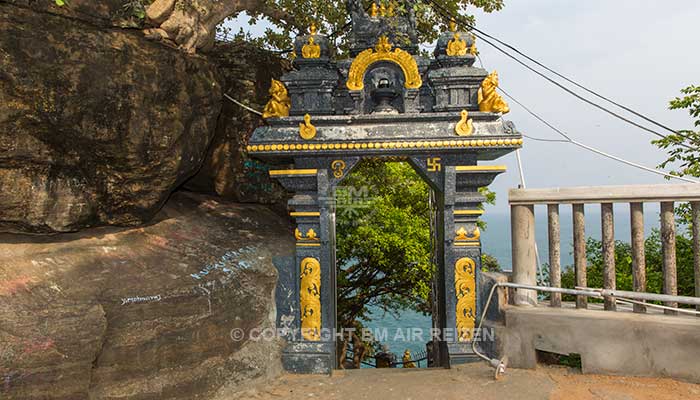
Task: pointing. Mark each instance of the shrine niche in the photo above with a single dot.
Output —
(386, 101)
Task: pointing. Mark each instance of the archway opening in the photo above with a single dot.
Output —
(386, 266)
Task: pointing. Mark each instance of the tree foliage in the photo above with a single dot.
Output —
(192, 23)
(332, 17)
(384, 249)
(683, 147)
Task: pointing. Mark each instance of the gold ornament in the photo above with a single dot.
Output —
(433, 164)
(306, 130)
(453, 25)
(465, 126)
(313, 28)
(310, 235)
(457, 47)
(279, 103)
(338, 167)
(465, 289)
(463, 236)
(311, 49)
(374, 11)
(489, 99)
(382, 52)
(310, 299)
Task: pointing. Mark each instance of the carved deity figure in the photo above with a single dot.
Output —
(489, 99)
(457, 46)
(279, 103)
(407, 362)
(311, 49)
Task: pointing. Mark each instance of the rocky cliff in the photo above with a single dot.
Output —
(97, 125)
(146, 313)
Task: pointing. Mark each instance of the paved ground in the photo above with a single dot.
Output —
(471, 381)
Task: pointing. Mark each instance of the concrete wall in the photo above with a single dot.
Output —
(617, 343)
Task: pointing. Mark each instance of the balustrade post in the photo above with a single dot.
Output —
(668, 241)
(554, 252)
(523, 247)
(639, 272)
(580, 252)
(608, 235)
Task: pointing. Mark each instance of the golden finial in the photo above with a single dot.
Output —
(489, 99)
(306, 130)
(279, 103)
(382, 10)
(311, 49)
(457, 46)
(374, 11)
(453, 25)
(383, 45)
(312, 29)
(390, 9)
(465, 126)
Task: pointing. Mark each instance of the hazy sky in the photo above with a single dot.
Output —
(639, 53)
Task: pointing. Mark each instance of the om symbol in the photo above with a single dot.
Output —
(338, 167)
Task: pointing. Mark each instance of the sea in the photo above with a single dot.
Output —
(401, 328)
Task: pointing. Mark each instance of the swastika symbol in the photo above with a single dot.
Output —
(434, 164)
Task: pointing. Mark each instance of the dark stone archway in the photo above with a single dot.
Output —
(441, 115)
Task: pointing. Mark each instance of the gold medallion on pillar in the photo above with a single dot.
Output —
(310, 299)
(465, 290)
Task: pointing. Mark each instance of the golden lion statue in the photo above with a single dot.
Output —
(489, 99)
(279, 103)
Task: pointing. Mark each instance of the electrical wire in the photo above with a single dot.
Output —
(593, 149)
(445, 13)
(243, 105)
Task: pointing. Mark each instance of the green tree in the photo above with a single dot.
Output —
(384, 250)
(683, 147)
(383, 242)
(192, 23)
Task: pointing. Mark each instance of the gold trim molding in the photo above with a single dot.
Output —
(279, 172)
(310, 299)
(465, 290)
(382, 52)
(480, 168)
(305, 214)
(469, 212)
(384, 145)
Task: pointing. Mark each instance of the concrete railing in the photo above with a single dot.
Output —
(522, 202)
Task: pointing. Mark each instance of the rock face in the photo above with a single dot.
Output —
(97, 126)
(228, 171)
(144, 313)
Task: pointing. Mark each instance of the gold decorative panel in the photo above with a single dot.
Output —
(310, 296)
(465, 289)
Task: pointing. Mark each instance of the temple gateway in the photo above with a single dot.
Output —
(442, 115)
